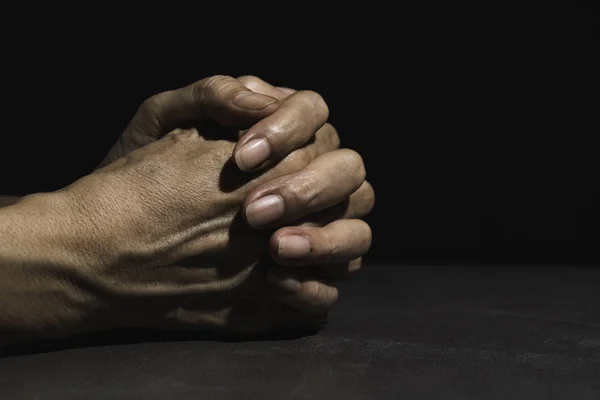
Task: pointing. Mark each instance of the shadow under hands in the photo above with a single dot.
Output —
(135, 336)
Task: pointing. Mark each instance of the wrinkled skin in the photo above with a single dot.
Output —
(170, 216)
(166, 234)
(156, 115)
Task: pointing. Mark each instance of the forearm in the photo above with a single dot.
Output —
(43, 284)
(8, 200)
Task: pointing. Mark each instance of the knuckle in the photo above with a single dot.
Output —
(280, 138)
(361, 202)
(316, 103)
(368, 236)
(210, 86)
(152, 109)
(250, 81)
(369, 196)
(179, 135)
(152, 104)
(315, 99)
(215, 80)
(354, 162)
(299, 193)
(351, 157)
(364, 235)
(277, 133)
(329, 135)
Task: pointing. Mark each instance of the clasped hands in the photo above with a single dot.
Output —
(225, 205)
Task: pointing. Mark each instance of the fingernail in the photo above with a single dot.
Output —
(252, 154)
(284, 280)
(264, 210)
(252, 101)
(293, 246)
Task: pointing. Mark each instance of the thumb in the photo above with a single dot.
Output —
(219, 98)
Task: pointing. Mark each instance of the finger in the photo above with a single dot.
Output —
(220, 98)
(257, 85)
(329, 179)
(358, 205)
(286, 89)
(337, 272)
(231, 178)
(301, 292)
(340, 241)
(294, 123)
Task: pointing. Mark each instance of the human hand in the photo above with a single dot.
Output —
(84, 255)
(290, 118)
(328, 244)
(230, 104)
(170, 250)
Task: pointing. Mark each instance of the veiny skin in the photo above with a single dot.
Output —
(160, 236)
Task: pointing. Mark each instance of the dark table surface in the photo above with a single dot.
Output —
(399, 332)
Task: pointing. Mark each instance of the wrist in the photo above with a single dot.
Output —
(46, 264)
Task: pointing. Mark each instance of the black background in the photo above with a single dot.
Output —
(477, 127)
